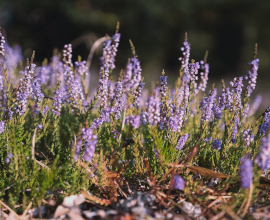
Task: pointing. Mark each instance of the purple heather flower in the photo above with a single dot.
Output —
(40, 126)
(137, 72)
(153, 109)
(165, 105)
(110, 90)
(118, 100)
(2, 126)
(245, 111)
(10, 113)
(207, 139)
(44, 74)
(13, 56)
(90, 143)
(137, 94)
(78, 149)
(110, 49)
(245, 172)
(235, 130)
(222, 98)
(118, 91)
(57, 101)
(115, 134)
(263, 157)
(229, 99)
(67, 56)
(163, 86)
(267, 115)
(193, 71)
(1, 82)
(46, 109)
(10, 155)
(134, 120)
(127, 77)
(76, 93)
(207, 106)
(57, 71)
(183, 95)
(236, 91)
(263, 128)
(2, 42)
(216, 144)
(103, 84)
(185, 60)
(181, 142)
(143, 117)
(178, 182)
(156, 153)
(247, 137)
(25, 89)
(104, 117)
(37, 93)
(177, 119)
(81, 68)
(217, 111)
(133, 75)
(252, 76)
(204, 75)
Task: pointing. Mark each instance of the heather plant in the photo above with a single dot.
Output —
(57, 139)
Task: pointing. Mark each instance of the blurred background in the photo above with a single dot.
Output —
(228, 29)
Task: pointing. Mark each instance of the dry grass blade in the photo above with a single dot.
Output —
(249, 199)
(232, 213)
(26, 210)
(4, 214)
(218, 216)
(33, 144)
(207, 172)
(96, 199)
(42, 164)
(121, 191)
(264, 182)
(7, 207)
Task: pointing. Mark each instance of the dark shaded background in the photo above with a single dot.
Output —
(227, 28)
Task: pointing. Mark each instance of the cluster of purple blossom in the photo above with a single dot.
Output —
(90, 144)
(185, 59)
(9, 157)
(168, 110)
(109, 51)
(2, 126)
(245, 172)
(181, 142)
(2, 42)
(28, 88)
(204, 75)
(207, 106)
(133, 120)
(263, 157)
(118, 100)
(57, 101)
(216, 144)
(178, 182)
(252, 76)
